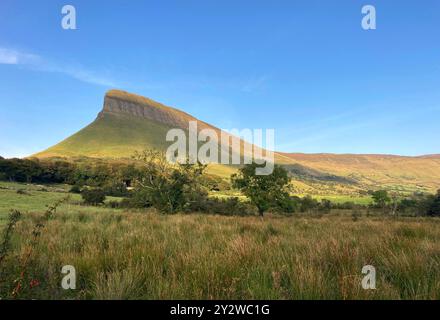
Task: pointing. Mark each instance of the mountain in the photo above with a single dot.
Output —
(126, 123)
(129, 123)
(396, 172)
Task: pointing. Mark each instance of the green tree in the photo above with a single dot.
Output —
(264, 191)
(308, 204)
(434, 209)
(381, 198)
(93, 196)
(167, 186)
(325, 205)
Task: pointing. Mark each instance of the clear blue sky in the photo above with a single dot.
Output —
(305, 68)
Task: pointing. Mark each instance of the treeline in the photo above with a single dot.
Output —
(170, 188)
(114, 178)
(34, 171)
(174, 188)
(416, 204)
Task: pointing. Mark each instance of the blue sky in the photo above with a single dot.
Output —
(305, 68)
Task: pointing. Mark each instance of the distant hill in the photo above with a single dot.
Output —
(397, 172)
(129, 123)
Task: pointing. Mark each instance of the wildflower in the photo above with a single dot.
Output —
(34, 283)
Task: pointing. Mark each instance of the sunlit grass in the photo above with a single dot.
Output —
(144, 255)
(151, 256)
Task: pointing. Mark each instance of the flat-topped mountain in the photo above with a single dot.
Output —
(126, 123)
(129, 123)
(117, 102)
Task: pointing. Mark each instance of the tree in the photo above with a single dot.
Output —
(325, 205)
(93, 196)
(381, 198)
(169, 187)
(308, 204)
(75, 189)
(434, 209)
(264, 191)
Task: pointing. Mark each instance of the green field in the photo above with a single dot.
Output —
(36, 200)
(145, 255)
(363, 200)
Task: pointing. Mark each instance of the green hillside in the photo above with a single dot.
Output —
(111, 136)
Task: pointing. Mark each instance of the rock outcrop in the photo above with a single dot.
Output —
(123, 103)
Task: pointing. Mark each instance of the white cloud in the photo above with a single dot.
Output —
(79, 73)
(8, 56)
(35, 62)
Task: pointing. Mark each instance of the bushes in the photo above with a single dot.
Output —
(308, 204)
(223, 206)
(347, 205)
(123, 204)
(288, 204)
(434, 209)
(325, 205)
(139, 199)
(33, 170)
(75, 189)
(93, 196)
(23, 192)
(115, 189)
(98, 173)
(420, 205)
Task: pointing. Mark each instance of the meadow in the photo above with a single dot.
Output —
(32, 198)
(121, 254)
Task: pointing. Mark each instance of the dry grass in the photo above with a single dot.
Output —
(150, 256)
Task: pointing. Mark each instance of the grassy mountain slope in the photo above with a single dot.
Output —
(111, 136)
(397, 172)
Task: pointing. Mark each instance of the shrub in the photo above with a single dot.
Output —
(408, 206)
(139, 199)
(123, 204)
(308, 204)
(115, 189)
(348, 205)
(93, 196)
(75, 189)
(325, 205)
(23, 192)
(289, 204)
(434, 209)
(224, 206)
(420, 204)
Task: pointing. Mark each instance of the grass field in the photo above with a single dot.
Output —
(362, 200)
(144, 255)
(36, 198)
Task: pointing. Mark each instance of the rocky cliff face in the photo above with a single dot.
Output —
(123, 103)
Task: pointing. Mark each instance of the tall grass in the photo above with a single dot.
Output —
(150, 256)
